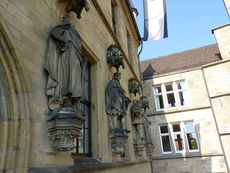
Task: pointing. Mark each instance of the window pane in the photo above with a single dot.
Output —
(159, 102)
(164, 129)
(171, 100)
(86, 141)
(81, 107)
(87, 73)
(166, 143)
(180, 85)
(158, 90)
(169, 87)
(176, 127)
(86, 117)
(181, 95)
(178, 142)
(189, 127)
(192, 141)
(86, 90)
(80, 143)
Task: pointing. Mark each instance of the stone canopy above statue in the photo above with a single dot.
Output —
(76, 6)
(114, 57)
(134, 86)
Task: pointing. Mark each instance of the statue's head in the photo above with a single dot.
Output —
(66, 20)
(117, 75)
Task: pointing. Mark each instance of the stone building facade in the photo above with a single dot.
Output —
(25, 29)
(188, 94)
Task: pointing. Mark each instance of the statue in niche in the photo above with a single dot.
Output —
(116, 105)
(66, 70)
(65, 66)
(142, 125)
(76, 6)
(137, 117)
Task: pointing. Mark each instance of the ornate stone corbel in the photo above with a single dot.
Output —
(64, 125)
(139, 146)
(76, 6)
(114, 57)
(134, 86)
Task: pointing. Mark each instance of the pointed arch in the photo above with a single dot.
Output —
(14, 107)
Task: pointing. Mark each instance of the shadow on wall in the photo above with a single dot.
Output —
(149, 72)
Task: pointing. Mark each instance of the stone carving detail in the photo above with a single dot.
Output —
(134, 86)
(66, 69)
(76, 6)
(116, 108)
(114, 57)
(118, 142)
(141, 125)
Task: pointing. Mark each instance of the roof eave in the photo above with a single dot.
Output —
(133, 19)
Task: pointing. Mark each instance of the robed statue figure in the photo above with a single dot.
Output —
(65, 66)
(116, 105)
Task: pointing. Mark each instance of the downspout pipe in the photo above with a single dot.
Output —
(143, 92)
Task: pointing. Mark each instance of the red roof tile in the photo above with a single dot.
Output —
(180, 61)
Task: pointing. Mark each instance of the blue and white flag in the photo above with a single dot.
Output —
(155, 20)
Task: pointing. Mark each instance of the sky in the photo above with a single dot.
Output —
(190, 24)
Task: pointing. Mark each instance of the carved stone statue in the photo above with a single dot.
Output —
(66, 69)
(116, 105)
(141, 125)
(65, 66)
(76, 6)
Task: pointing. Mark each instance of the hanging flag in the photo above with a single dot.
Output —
(155, 20)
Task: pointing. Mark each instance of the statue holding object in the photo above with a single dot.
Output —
(66, 70)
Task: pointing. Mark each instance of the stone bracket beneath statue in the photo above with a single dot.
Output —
(139, 146)
(64, 125)
(118, 142)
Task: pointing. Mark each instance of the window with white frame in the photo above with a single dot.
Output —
(191, 136)
(184, 137)
(165, 139)
(170, 95)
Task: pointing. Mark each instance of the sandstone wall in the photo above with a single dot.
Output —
(217, 76)
(223, 39)
(29, 23)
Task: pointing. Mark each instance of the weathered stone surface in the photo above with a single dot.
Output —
(223, 38)
(29, 24)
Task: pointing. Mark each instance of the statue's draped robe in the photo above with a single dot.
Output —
(63, 67)
(116, 102)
